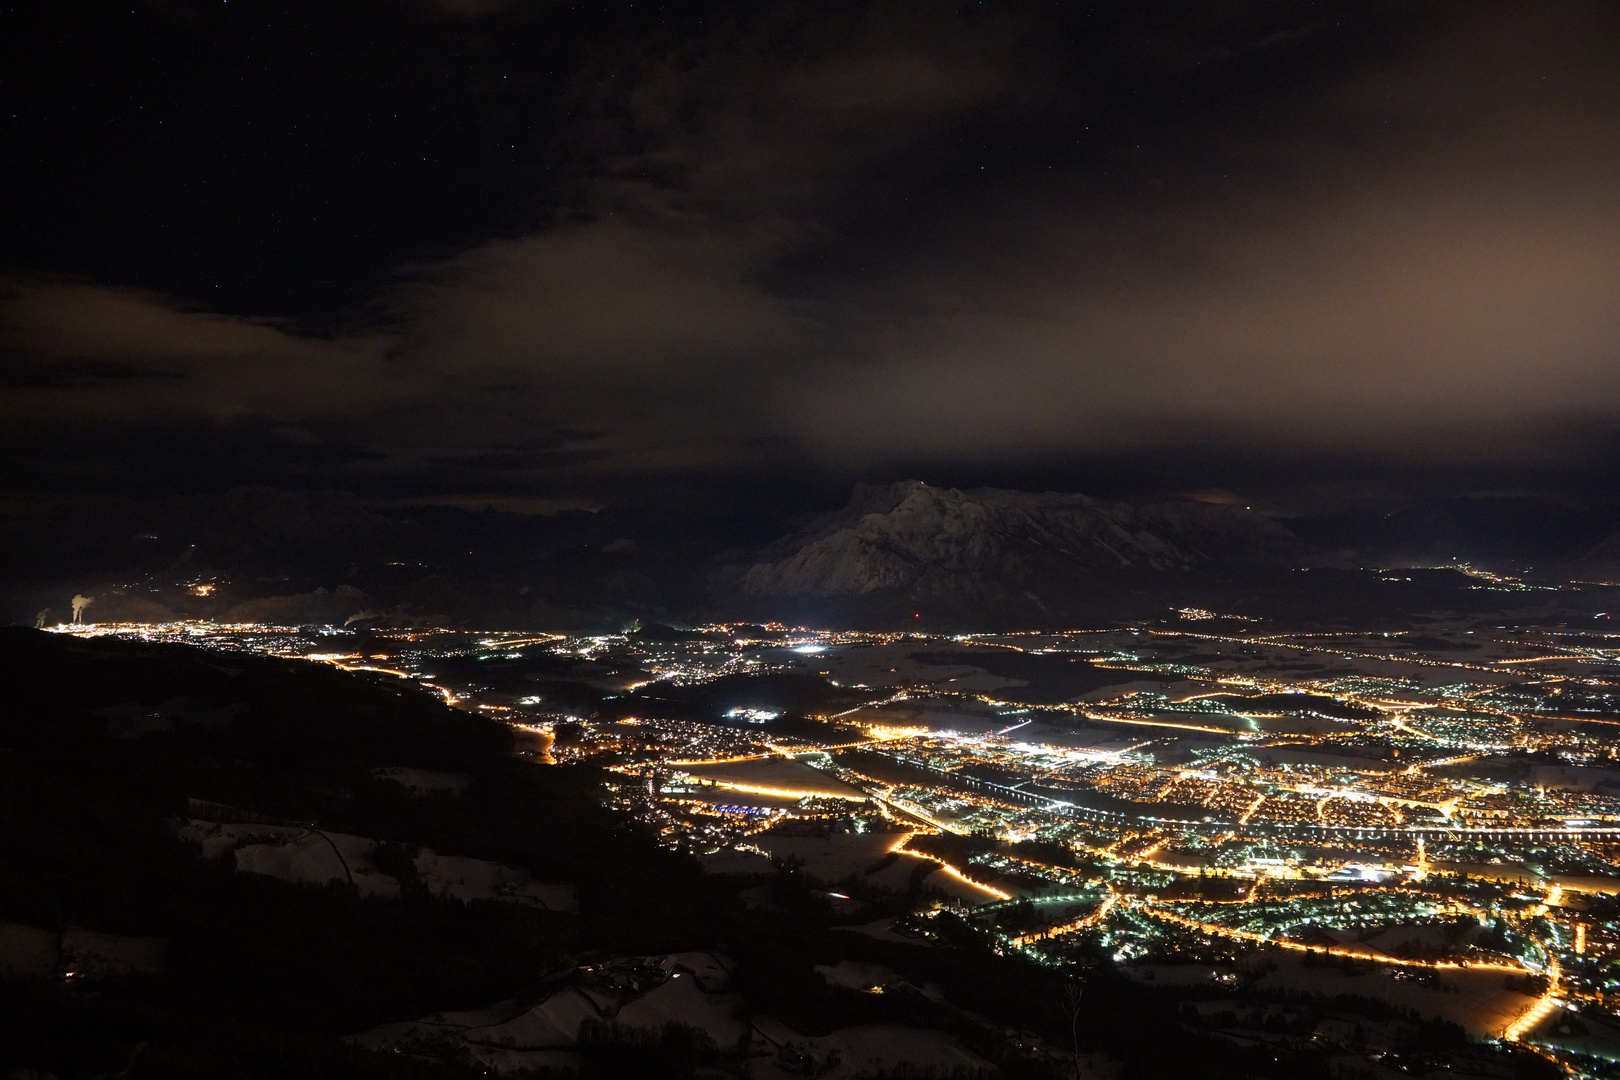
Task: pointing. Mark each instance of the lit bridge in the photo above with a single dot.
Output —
(1092, 897)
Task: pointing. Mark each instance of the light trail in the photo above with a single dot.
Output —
(1157, 911)
(899, 848)
(1085, 921)
(1259, 801)
(787, 793)
(717, 761)
(1539, 1010)
(541, 640)
(906, 806)
(955, 873)
(368, 667)
(1109, 718)
(448, 695)
(901, 696)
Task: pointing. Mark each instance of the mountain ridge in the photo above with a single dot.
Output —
(978, 557)
(992, 549)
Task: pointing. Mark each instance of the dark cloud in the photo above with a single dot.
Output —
(596, 301)
(124, 356)
(877, 235)
(471, 9)
(1417, 259)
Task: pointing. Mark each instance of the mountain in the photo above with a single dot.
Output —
(256, 554)
(1512, 531)
(974, 558)
(1602, 562)
(988, 553)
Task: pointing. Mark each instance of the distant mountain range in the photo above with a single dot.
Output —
(895, 552)
(1009, 554)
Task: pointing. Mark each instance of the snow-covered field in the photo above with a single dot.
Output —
(508, 1036)
(291, 853)
(1477, 1000)
(423, 781)
(834, 858)
(689, 989)
(861, 1051)
(319, 856)
(462, 878)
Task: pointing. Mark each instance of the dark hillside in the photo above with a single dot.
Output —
(262, 976)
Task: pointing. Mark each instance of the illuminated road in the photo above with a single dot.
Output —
(1543, 1007)
(1153, 910)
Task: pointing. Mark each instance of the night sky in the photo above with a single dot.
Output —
(538, 254)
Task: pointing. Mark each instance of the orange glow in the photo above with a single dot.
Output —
(1333, 950)
(790, 793)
